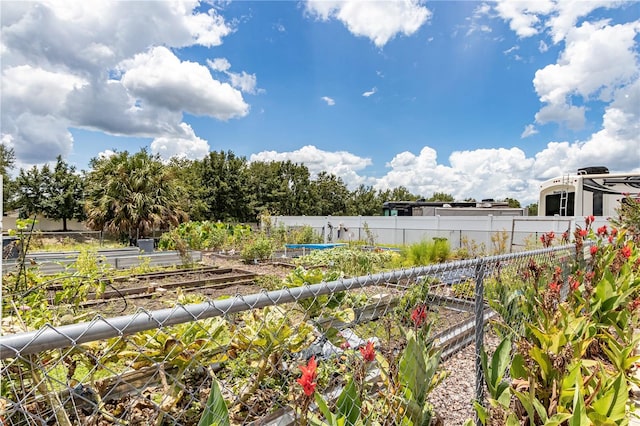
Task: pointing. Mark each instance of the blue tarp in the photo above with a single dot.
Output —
(314, 246)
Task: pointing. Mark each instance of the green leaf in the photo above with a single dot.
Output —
(612, 404)
(324, 409)
(543, 360)
(558, 419)
(579, 417)
(518, 367)
(215, 412)
(483, 413)
(349, 404)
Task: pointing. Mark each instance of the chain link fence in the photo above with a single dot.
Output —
(374, 346)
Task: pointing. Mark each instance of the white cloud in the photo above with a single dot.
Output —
(90, 65)
(340, 163)
(368, 93)
(161, 79)
(219, 64)
(529, 130)
(380, 21)
(187, 145)
(482, 173)
(569, 12)
(523, 15)
(247, 83)
(106, 153)
(511, 49)
(328, 100)
(543, 47)
(585, 69)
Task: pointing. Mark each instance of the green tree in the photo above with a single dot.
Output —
(224, 187)
(513, 202)
(364, 201)
(441, 196)
(131, 195)
(402, 194)
(65, 194)
(532, 209)
(7, 163)
(188, 174)
(281, 188)
(266, 187)
(32, 190)
(330, 195)
(299, 189)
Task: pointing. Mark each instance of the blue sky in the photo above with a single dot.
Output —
(477, 99)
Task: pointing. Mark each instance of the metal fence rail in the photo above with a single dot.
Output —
(157, 367)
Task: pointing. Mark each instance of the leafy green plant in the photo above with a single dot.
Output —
(350, 261)
(426, 252)
(260, 248)
(264, 337)
(215, 411)
(304, 235)
(571, 356)
(201, 343)
(464, 290)
(312, 307)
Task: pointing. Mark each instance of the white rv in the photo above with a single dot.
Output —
(592, 191)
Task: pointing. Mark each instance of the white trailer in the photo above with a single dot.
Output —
(592, 191)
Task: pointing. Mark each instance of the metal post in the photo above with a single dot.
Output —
(479, 311)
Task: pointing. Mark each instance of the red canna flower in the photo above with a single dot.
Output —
(593, 250)
(583, 232)
(602, 231)
(554, 287)
(626, 251)
(573, 283)
(309, 374)
(614, 231)
(419, 315)
(589, 219)
(368, 352)
(610, 239)
(547, 239)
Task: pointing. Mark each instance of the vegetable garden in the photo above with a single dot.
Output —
(345, 337)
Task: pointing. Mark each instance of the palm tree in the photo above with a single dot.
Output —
(131, 195)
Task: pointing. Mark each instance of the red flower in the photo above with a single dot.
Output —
(589, 219)
(614, 231)
(583, 232)
(626, 251)
(573, 283)
(610, 239)
(635, 304)
(309, 374)
(602, 231)
(419, 315)
(593, 250)
(368, 353)
(555, 287)
(345, 345)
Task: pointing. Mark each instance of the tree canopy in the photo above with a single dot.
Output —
(132, 195)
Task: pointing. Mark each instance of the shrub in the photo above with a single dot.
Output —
(260, 248)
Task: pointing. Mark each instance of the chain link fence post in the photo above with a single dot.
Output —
(479, 338)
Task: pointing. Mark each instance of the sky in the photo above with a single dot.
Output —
(471, 98)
